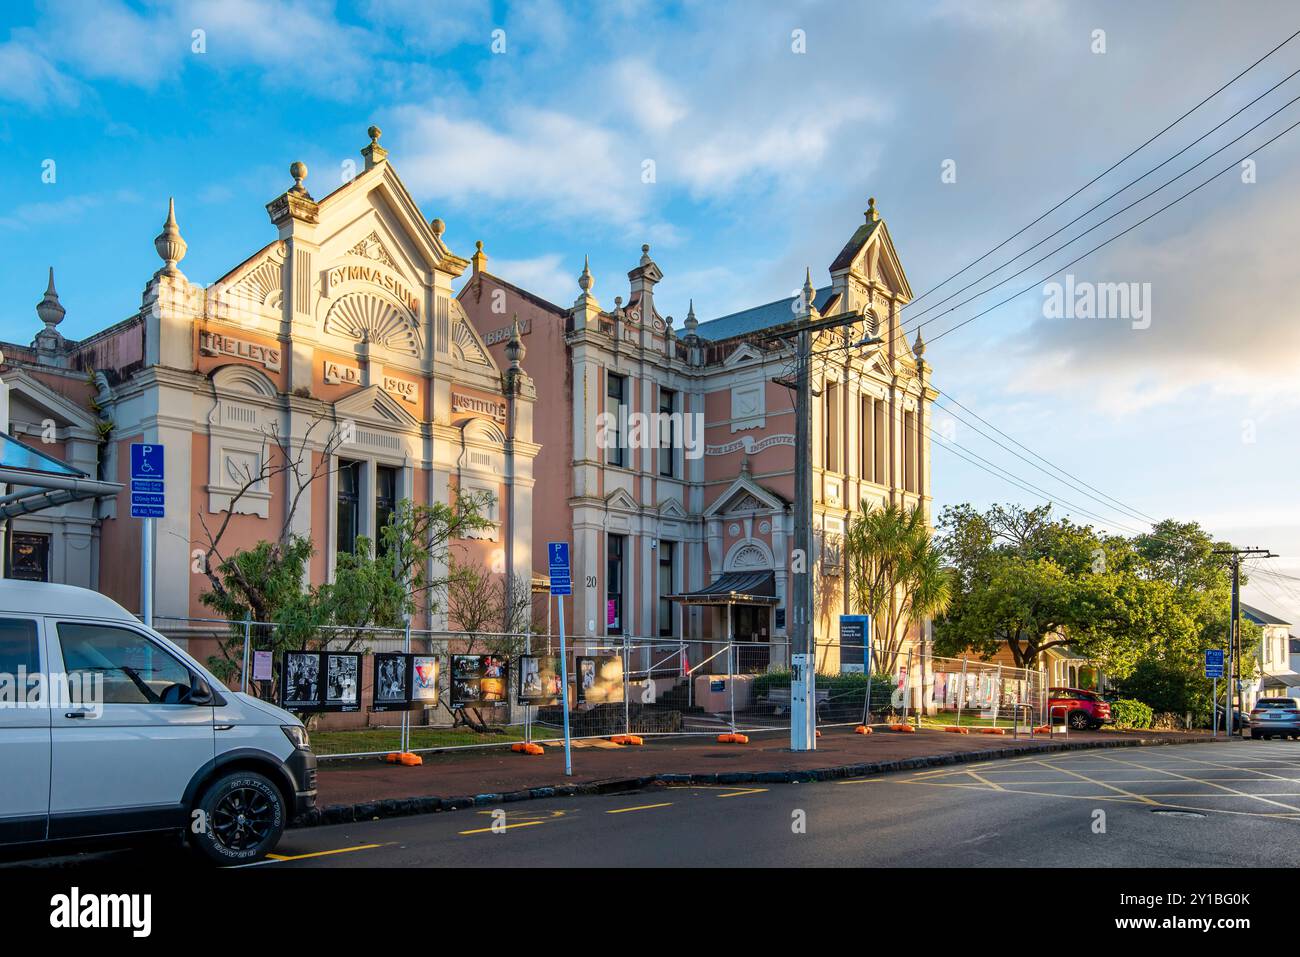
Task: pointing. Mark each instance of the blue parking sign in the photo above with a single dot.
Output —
(557, 555)
(148, 485)
(1214, 663)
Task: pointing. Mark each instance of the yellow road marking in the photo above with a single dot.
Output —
(639, 807)
(303, 857)
(501, 827)
(1101, 784)
(735, 794)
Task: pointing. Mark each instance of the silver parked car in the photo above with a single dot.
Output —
(1278, 717)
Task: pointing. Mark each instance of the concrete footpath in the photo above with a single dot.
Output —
(360, 790)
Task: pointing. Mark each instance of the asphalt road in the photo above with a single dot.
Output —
(1182, 806)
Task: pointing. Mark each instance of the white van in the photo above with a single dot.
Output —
(107, 728)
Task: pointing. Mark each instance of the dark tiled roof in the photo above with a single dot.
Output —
(854, 246)
(1261, 617)
(765, 316)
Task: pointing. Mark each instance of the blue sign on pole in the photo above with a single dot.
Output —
(148, 485)
(1214, 663)
(561, 576)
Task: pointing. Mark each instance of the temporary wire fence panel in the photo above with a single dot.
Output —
(497, 689)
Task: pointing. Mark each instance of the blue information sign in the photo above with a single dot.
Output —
(1214, 663)
(557, 554)
(148, 496)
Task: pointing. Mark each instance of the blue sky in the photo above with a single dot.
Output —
(764, 158)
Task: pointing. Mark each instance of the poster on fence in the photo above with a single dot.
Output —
(300, 688)
(478, 679)
(855, 636)
(539, 679)
(600, 679)
(424, 681)
(392, 682)
(342, 681)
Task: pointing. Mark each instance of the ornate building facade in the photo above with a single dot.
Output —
(334, 367)
(694, 540)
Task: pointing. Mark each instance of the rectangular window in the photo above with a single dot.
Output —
(615, 398)
(134, 669)
(881, 441)
(834, 437)
(911, 439)
(18, 647)
(667, 557)
(29, 557)
(385, 502)
(668, 438)
(349, 506)
(614, 545)
(866, 438)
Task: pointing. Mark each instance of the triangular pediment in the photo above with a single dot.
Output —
(30, 393)
(744, 352)
(672, 509)
(374, 404)
(620, 499)
(744, 496)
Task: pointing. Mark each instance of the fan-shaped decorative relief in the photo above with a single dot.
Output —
(749, 556)
(262, 285)
(466, 347)
(367, 318)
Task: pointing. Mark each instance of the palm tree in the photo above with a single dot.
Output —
(896, 575)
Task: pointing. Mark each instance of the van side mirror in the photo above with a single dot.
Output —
(200, 693)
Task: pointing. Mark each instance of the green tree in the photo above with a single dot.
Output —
(896, 575)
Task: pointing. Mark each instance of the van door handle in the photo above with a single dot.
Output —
(75, 714)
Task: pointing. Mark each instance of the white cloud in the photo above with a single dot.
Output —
(550, 276)
(536, 160)
(31, 79)
(643, 94)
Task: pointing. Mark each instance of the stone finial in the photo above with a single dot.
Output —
(171, 247)
(372, 151)
(515, 348)
(645, 254)
(918, 347)
(691, 322)
(479, 259)
(586, 280)
(298, 170)
(49, 309)
(872, 214)
(745, 468)
(438, 227)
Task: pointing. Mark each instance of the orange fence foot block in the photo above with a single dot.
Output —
(733, 739)
(633, 739)
(819, 734)
(957, 730)
(862, 729)
(534, 749)
(993, 731)
(1042, 729)
(905, 728)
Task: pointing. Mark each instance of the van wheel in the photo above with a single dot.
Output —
(244, 817)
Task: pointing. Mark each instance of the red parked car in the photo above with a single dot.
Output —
(1082, 710)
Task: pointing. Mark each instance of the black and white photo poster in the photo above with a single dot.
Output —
(342, 681)
(301, 686)
(392, 681)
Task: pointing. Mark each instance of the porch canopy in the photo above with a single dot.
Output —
(734, 588)
(39, 481)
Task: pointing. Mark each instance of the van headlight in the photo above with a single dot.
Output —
(297, 736)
